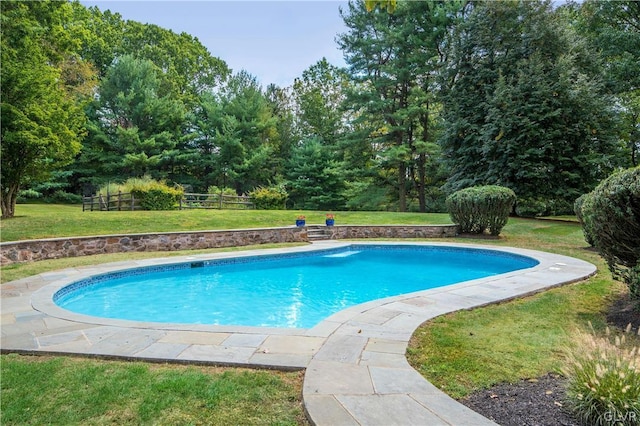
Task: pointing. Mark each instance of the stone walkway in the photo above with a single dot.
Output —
(356, 370)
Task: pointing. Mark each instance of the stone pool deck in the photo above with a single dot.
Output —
(356, 370)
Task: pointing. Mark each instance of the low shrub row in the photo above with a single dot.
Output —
(157, 195)
(536, 207)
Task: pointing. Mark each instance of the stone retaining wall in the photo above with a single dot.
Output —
(33, 250)
(393, 231)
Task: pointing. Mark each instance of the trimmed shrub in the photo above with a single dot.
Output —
(480, 208)
(271, 198)
(577, 209)
(611, 216)
(604, 380)
(153, 194)
(160, 198)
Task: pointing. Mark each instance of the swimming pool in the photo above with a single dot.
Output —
(296, 290)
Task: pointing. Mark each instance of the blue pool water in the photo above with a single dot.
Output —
(295, 290)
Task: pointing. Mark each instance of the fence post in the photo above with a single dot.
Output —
(119, 200)
(133, 201)
(180, 204)
(220, 200)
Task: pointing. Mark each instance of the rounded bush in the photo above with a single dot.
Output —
(611, 216)
(160, 198)
(480, 208)
(272, 198)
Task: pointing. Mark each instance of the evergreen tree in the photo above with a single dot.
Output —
(235, 137)
(135, 129)
(524, 105)
(313, 178)
(613, 28)
(393, 59)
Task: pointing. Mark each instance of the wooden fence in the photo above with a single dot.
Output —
(215, 201)
(118, 202)
(127, 201)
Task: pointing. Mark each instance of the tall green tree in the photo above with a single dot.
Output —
(134, 127)
(613, 28)
(188, 67)
(319, 95)
(281, 103)
(393, 59)
(42, 124)
(313, 177)
(525, 105)
(236, 136)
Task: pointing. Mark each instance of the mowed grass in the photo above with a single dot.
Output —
(522, 339)
(459, 352)
(35, 221)
(73, 391)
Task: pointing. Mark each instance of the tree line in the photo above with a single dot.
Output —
(436, 96)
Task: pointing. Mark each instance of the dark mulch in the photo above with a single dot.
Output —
(540, 401)
(624, 312)
(534, 402)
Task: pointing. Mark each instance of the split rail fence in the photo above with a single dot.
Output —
(127, 201)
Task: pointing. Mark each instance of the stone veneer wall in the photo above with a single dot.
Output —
(393, 231)
(54, 248)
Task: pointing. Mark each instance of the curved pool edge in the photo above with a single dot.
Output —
(361, 375)
(356, 371)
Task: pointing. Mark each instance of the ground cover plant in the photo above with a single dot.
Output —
(457, 352)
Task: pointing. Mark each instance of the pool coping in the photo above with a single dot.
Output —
(356, 370)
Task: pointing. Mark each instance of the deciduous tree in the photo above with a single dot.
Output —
(41, 122)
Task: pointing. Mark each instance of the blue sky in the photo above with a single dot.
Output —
(272, 40)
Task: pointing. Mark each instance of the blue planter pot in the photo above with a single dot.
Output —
(330, 222)
(300, 222)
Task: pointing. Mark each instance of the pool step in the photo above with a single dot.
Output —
(317, 232)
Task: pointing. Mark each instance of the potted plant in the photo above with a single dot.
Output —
(330, 219)
(300, 221)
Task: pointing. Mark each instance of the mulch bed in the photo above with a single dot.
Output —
(540, 401)
(533, 402)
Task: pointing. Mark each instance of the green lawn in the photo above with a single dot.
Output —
(459, 352)
(34, 221)
(74, 391)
